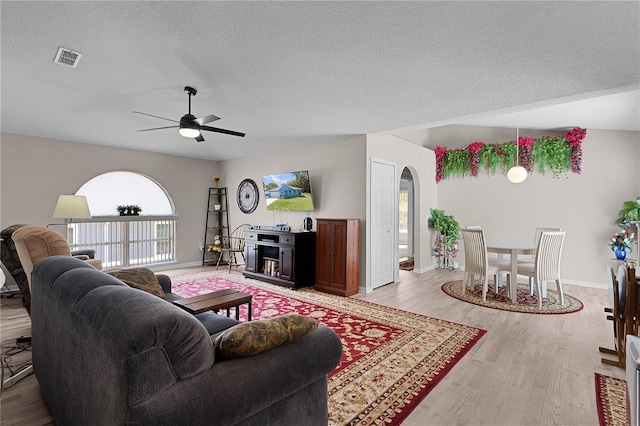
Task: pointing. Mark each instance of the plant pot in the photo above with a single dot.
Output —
(217, 206)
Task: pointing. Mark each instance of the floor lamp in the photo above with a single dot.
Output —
(71, 207)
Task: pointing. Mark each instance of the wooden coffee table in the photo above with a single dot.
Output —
(223, 299)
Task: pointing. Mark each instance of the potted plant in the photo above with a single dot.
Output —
(217, 205)
(630, 212)
(446, 244)
(129, 210)
(621, 242)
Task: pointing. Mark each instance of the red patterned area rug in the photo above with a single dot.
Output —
(391, 358)
(526, 303)
(611, 399)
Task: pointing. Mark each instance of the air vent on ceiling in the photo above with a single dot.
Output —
(67, 57)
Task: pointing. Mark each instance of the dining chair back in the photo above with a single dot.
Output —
(232, 246)
(546, 266)
(624, 311)
(476, 262)
(541, 229)
(616, 314)
(538, 233)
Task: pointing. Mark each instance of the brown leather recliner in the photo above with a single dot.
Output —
(11, 261)
(34, 243)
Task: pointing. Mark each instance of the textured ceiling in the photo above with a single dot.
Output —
(295, 73)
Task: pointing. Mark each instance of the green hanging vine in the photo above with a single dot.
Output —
(557, 154)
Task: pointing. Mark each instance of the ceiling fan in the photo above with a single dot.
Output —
(189, 126)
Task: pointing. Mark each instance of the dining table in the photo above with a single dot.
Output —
(513, 249)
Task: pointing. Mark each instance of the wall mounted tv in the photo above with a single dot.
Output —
(288, 191)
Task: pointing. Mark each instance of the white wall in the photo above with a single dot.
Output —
(421, 162)
(584, 205)
(34, 171)
(337, 174)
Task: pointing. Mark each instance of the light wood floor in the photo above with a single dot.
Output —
(526, 370)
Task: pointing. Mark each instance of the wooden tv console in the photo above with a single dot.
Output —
(281, 257)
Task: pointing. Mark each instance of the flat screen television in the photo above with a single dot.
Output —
(288, 191)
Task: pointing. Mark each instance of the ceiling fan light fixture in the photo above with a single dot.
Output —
(189, 132)
(191, 126)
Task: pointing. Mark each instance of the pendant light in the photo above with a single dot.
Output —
(517, 173)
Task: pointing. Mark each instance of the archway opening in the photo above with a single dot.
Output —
(405, 221)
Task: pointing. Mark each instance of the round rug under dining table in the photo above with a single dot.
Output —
(526, 303)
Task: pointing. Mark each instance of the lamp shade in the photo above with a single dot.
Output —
(72, 207)
(517, 174)
(189, 132)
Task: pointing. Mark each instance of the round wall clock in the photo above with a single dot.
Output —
(247, 196)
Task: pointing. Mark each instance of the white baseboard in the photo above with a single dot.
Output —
(603, 286)
(175, 265)
(580, 283)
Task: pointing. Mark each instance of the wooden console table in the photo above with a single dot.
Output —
(223, 299)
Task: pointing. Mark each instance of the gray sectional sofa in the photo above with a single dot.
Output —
(108, 354)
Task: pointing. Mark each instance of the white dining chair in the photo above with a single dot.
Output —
(546, 266)
(478, 263)
(532, 257)
(536, 238)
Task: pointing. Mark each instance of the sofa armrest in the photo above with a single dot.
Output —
(165, 282)
(90, 253)
(236, 389)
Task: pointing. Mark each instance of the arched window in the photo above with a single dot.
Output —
(109, 190)
(125, 241)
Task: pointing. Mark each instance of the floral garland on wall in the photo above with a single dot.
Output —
(559, 154)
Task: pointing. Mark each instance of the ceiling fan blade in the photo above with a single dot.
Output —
(159, 128)
(150, 115)
(206, 119)
(199, 138)
(218, 130)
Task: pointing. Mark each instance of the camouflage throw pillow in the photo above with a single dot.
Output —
(251, 338)
(140, 278)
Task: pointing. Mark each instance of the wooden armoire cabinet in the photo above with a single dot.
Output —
(338, 256)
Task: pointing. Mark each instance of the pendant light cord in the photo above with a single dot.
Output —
(517, 138)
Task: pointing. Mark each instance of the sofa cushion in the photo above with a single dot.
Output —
(251, 338)
(140, 278)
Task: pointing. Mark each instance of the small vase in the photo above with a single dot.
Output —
(620, 253)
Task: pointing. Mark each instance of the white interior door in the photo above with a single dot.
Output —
(384, 222)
